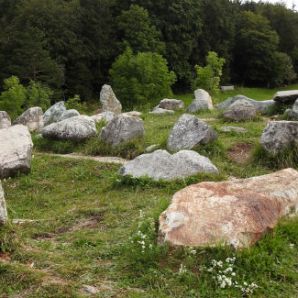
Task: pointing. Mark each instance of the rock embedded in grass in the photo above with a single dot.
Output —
(5, 120)
(171, 104)
(241, 110)
(109, 101)
(3, 210)
(188, 132)
(202, 101)
(235, 129)
(279, 136)
(32, 118)
(15, 150)
(236, 213)
(54, 113)
(122, 129)
(74, 129)
(286, 97)
(161, 165)
(160, 111)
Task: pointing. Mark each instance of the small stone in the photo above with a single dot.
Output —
(32, 118)
(160, 111)
(171, 104)
(152, 148)
(5, 120)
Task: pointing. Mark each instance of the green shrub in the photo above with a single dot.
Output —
(208, 77)
(77, 104)
(141, 78)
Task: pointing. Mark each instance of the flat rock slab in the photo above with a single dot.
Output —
(236, 213)
(3, 210)
(286, 97)
(15, 150)
(75, 129)
(161, 165)
(171, 104)
(279, 135)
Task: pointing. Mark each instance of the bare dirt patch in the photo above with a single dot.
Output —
(240, 153)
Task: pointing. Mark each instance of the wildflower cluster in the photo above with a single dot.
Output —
(225, 276)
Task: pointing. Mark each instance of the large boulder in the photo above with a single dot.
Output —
(202, 101)
(75, 129)
(236, 212)
(160, 111)
(69, 114)
(188, 132)
(171, 104)
(122, 129)
(5, 121)
(32, 118)
(286, 97)
(161, 165)
(54, 113)
(293, 113)
(15, 150)
(279, 135)
(262, 106)
(241, 110)
(3, 210)
(109, 101)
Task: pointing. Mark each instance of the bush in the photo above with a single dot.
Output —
(16, 98)
(141, 78)
(208, 77)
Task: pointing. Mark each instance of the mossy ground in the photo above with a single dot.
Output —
(83, 215)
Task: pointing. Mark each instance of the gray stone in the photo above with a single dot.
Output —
(279, 135)
(68, 114)
(122, 129)
(235, 129)
(261, 106)
(241, 110)
(202, 101)
(161, 165)
(75, 129)
(152, 148)
(188, 132)
(286, 97)
(171, 104)
(32, 118)
(160, 111)
(3, 210)
(5, 121)
(54, 113)
(293, 113)
(105, 116)
(133, 114)
(109, 101)
(227, 88)
(15, 150)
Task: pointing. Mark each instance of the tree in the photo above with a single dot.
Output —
(138, 32)
(254, 52)
(140, 79)
(284, 70)
(208, 77)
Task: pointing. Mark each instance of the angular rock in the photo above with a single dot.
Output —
(261, 106)
(188, 132)
(286, 97)
(75, 129)
(293, 113)
(122, 129)
(160, 111)
(15, 150)
(171, 104)
(68, 114)
(109, 101)
(202, 101)
(236, 213)
(3, 210)
(105, 116)
(241, 110)
(279, 135)
(54, 113)
(161, 165)
(32, 118)
(235, 129)
(5, 121)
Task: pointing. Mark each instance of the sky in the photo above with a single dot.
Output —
(289, 3)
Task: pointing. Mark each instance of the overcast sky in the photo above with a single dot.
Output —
(288, 2)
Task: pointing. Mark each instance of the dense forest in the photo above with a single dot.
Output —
(70, 45)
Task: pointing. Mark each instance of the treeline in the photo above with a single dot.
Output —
(70, 45)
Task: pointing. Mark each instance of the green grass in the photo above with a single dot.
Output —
(84, 215)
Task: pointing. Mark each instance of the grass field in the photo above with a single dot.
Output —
(85, 217)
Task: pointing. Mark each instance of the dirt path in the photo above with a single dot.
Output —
(101, 159)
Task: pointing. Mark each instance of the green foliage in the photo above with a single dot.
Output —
(16, 98)
(77, 104)
(138, 32)
(284, 70)
(9, 240)
(208, 77)
(142, 78)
